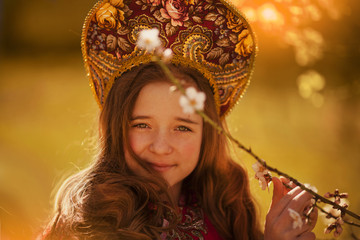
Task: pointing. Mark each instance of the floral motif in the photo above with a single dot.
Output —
(207, 32)
(176, 10)
(111, 42)
(233, 22)
(232, 34)
(245, 45)
(96, 40)
(192, 225)
(223, 33)
(107, 17)
(154, 2)
(99, 42)
(189, 2)
(117, 3)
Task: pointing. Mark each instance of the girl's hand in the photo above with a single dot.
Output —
(279, 223)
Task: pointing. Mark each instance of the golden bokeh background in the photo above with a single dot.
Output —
(301, 112)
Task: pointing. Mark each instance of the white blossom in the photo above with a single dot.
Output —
(167, 55)
(313, 188)
(260, 173)
(332, 211)
(335, 226)
(297, 221)
(149, 39)
(192, 100)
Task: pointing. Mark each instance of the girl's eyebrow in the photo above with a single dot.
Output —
(186, 120)
(139, 117)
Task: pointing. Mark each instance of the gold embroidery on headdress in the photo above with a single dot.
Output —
(211, 36)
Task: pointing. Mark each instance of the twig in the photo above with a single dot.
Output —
(250, 152)
(332, 216)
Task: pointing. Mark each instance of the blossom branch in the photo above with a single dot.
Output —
(334, 217)
(250, 152)
(280, 173)
(149, 41)
(169, 74)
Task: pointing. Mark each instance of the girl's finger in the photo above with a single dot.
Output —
(305, 226)
(292, 217)
(306, 236)
(290, 185)
(300, 201)
(279, 191)
(277, 208)
(310, 225)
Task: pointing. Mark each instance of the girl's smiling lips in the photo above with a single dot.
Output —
(161, 167)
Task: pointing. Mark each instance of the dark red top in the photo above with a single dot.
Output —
(194, 224)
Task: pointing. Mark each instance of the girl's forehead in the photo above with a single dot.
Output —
(159, 100)
(166, 87)
(157, 92)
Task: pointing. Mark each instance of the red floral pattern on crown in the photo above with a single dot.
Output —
(210, 35)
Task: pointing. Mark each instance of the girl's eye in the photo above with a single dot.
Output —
(183, 129)
(140, 125)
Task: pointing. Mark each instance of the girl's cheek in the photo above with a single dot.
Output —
(134, 143)
(132, 140)
(191, 149)
(137, 142)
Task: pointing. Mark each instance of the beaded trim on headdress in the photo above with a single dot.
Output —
(209, 35)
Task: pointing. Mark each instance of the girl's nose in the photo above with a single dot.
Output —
(161, 144)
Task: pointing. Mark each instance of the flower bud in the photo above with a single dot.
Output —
(313, 188)
(339, 220)
(167, 55)
(329, 229)
(338, 231)
(327, 195)
(344, 195)
(345, 205)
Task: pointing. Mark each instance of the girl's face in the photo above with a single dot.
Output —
(162, 135)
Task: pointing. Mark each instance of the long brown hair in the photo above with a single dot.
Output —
(108, 201)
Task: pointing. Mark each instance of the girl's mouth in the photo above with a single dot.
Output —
(161, 167)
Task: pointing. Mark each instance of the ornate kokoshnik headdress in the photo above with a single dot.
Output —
(211, 36)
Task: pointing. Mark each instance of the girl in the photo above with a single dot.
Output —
(161, 173)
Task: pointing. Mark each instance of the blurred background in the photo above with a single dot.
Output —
(301, 112)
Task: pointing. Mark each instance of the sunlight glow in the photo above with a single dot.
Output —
(250, 13)
(292, 22)
(310, 85)
(270, 16)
